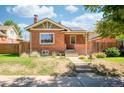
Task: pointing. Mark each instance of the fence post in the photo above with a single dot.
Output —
(20, 47)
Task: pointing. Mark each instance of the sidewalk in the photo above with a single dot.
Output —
(51, 81)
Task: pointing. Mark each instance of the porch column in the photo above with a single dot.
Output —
(86, 50)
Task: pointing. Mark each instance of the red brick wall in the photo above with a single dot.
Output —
(59, 41)
(81, 48)
(62, 41)
(80, 39)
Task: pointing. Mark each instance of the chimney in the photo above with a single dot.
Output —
(35, 18)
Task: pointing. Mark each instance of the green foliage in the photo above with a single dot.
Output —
(82, 57)
(120, 37)
(122, 51)
(12, 23)
(112, 23)
(114, 59)
(99, 55)
(109, 28)
(112, 52)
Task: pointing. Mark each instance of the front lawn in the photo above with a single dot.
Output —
(114, 59)
(112, 66)
(15, 65)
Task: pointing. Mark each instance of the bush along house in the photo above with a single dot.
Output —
(47, 36)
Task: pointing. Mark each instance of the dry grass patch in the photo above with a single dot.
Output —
(34, 66)
(108, 68)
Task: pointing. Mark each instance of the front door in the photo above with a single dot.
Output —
(70, 41)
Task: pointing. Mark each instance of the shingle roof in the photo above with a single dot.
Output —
(2, 34)
(5, 28)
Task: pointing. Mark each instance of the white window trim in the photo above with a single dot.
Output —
(70, 39)
(47, 43)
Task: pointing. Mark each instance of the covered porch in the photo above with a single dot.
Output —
(77, 41)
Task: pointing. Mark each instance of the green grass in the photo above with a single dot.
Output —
(115, 59)
(15, 65)
(15, 59)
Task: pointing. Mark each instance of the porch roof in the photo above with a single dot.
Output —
(78, 32)
(102, 40)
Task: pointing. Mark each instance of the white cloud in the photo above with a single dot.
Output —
(29, 11)
(86, 21)
(22, 26)
(71, 9)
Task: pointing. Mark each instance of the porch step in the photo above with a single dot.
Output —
(71, 53)
(89, 74)
(80, 70)
(84, 68)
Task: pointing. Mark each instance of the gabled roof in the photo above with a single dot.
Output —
(49, 20)
(2, 34)
(5, 28)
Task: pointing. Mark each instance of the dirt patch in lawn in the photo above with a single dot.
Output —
(16, 69)
(36, 66)
(108, 68)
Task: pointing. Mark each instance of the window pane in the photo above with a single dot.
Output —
(73, 40)
(46, 38)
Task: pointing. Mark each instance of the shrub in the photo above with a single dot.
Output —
(93, 56)
(35, 54)
(24, 55)
(61, 54)
(99, 55)
(122, 51)
(54, 54)
(112, 52)
(82, 57)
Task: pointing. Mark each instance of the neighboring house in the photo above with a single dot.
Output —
(48, 36)
(8, 35)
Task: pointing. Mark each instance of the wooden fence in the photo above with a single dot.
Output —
(9, 48)
(24, 47)
(15, 48)
(100, 46)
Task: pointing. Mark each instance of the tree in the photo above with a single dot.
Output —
(12, 23)
(112, 23)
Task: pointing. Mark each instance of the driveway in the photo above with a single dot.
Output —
(51, 81)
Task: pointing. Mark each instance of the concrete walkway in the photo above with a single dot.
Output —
(51, 81)
(82, 68)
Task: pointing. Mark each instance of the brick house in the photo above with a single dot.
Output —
(8, 35)
(47, 36)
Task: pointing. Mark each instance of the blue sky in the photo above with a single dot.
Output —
(75, 17)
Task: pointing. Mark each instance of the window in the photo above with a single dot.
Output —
(46, 38)
(45, 52)
(73, 40)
